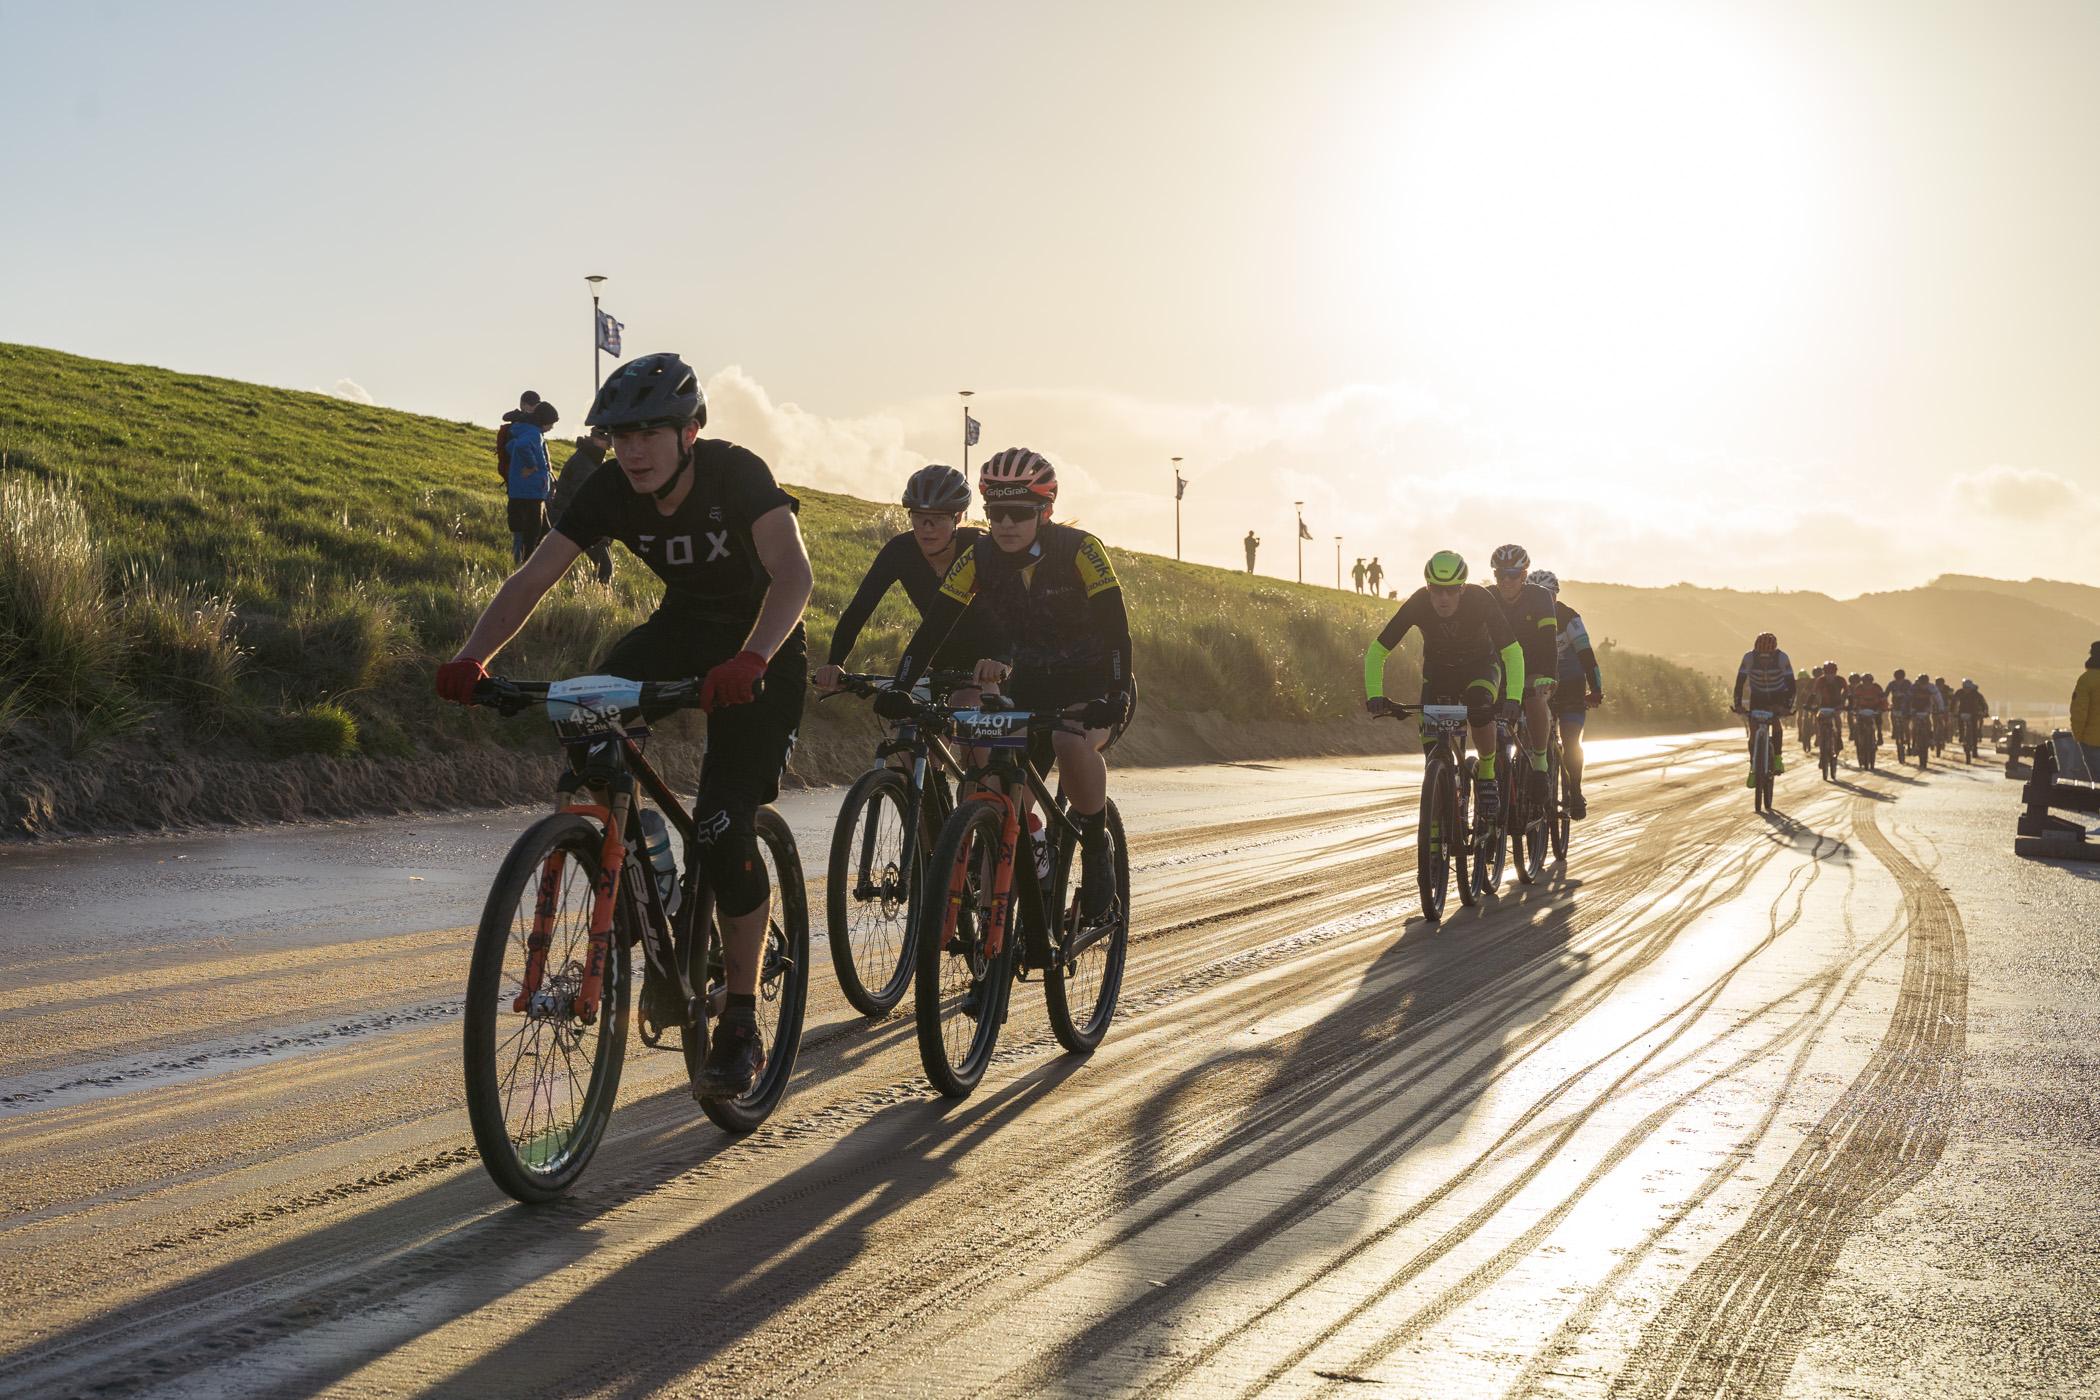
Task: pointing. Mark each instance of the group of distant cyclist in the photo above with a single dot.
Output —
(1833, 710)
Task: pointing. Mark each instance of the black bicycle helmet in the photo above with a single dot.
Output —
(655, 391)
(937, 488)
(1509, 557)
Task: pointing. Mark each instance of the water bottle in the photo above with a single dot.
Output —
(656, 840)
(1040, 839)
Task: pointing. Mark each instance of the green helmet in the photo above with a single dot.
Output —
(1444, 569)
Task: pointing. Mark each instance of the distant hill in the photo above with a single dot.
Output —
(2024, 643)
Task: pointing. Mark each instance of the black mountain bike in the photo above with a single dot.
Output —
(1921, 737)
(885, 830)
(549, 988)
(1971, 736)
(1866, 736)
(1827, 741)
(1762, 736)
(999, 907)
(1448, 838)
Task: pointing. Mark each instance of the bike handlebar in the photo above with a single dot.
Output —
(508, 697)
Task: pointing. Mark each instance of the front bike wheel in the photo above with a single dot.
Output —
(961, 987)
(868, 893)
(1763, 793)
(783, 979)
(541, 1080)
(1491, 840)
(1436, 835)
(1090, 982)
(1558, 822)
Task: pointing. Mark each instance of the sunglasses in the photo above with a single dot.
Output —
(1009, 515)
(1509, 573)
(929, 517)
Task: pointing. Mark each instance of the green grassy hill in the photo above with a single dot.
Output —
(201, 574)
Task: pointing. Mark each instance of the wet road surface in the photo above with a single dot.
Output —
(1799, 1105)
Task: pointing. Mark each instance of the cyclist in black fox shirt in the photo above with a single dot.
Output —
(919, 559)
(1048, 600)
(708, 519)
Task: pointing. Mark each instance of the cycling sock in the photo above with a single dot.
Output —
(745, 1002)
(1538, 759)
(1486, 771)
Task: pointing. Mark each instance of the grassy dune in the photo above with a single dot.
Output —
(196, 568)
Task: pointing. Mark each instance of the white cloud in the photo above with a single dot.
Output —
(1400, 475)
(2019, 493)
(352, 390)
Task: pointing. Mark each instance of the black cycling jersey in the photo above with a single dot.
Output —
(901, 561)
(1537, 627)
(702, 551)
(1476, 632)
(1053, 608)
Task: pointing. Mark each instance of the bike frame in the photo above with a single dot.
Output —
(1009, 765)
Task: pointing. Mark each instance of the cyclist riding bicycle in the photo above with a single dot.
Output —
(1827, 691)
(1803, 681)
(1580, 684)
(708, 519)
(1765, 681)
(1531, 615)
(1047, 600)
(1464, 633)
(1969, 700)
(1899, 707)
(1867, 695)
(919, 558)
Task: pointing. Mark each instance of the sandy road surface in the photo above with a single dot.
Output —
(1737, 1106)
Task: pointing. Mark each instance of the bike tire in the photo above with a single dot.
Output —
(1491, 845)
(1099, 966)
(871, 935)
(1559, 824)
(955, 1063)
(783, 980)
(1436, 836)
(532, 1162)
(1763, 792)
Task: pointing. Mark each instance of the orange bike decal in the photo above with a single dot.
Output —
(610, 862)
(542, 931)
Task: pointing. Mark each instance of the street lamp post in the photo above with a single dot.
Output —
(1179, 484)
(1299, 507)
(965, 394)
(597, 373)
(1337, 563)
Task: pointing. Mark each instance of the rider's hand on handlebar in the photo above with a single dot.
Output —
(894, 705)
(1593, 700)
(1378, 705)
(1107, 712)
(457, 678)
(734, 682)
(991, 672)
(1508, 711)
(826, 680)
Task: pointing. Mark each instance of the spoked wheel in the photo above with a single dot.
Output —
(1491, 839)
(783, 979)
(1080, 991)
(1436, 837)
(868, 895)
(1763, 792)
(961, 986)
(541, 1079)
(1533, 838)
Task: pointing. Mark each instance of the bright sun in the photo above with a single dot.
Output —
(1600, 203)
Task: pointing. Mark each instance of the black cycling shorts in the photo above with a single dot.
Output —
(1472, 681)
(747, 745)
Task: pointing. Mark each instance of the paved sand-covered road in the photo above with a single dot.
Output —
(1800, 1105)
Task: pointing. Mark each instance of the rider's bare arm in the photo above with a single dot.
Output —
(777, 536)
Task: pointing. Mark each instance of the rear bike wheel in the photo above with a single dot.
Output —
(783, 979)
(1436, 835)
(1558, 822)
(1080, 992)
(868, 893)
(541, 1081)
(961, 988)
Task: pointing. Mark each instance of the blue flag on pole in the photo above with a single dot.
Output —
(970, 427)
(609, 333)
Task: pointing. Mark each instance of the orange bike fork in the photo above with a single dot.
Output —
(1002, 880)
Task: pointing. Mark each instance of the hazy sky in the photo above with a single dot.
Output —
(1759, 295)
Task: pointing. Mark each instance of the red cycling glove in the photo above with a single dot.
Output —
(457, 678)
(734, 682)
